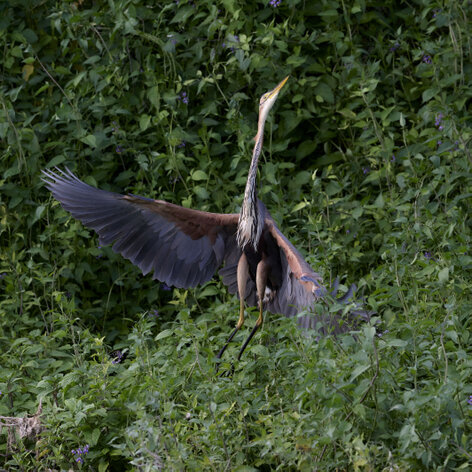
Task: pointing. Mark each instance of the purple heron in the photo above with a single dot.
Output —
(184, 247)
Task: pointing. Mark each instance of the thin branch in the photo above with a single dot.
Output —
(54, 80)
(444, 348)
(95, 30)
(17, 135)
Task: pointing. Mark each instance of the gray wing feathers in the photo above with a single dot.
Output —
(301, 287)
(147, 239)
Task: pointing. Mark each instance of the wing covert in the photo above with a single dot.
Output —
(182, 247)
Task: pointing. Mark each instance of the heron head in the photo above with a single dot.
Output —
(268, 99)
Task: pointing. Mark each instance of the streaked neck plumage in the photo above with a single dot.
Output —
(250, 218)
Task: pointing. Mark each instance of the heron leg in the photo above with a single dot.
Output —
(261, 284)
(242, 275)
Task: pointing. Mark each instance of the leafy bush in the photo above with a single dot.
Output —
(366, 167)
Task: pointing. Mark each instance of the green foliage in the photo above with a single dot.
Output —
(366, 167)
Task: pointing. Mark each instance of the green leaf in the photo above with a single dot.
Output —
(38, 213)
(154, 96)
(428, 270)
(90, 140)
(144, 121)
(357, 212)
(202, 192)
(443, 275)
(103, 466)
(199, 175)
(164, 334)
(299, 206)
(396, 343)
(333, 188)
(325, 92)
(428, 94)
(183, 13)
(55, 161)
(379, 202)
(358, 371)
(305, 149)
(296, 61)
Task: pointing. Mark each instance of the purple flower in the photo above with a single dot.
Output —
(439, 143)
(365, 170)
(393, 158)
(469, 401)
(3, 275)
(395, 47)
(119, 149)
(427, 59)
(275, 3)
(165, 287)
(118, 358)
(79, 453)
(436, 11)
(428, 255)
(183, 97)
(438, 122)
(154, 314)
(182, 144)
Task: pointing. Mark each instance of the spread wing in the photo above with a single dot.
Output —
(182, 247)
(301, 287)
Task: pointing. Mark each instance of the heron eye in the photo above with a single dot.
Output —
(264, 98)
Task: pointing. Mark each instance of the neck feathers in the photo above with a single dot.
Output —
(250, 221)
(251, 218)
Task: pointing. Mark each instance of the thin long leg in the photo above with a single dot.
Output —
(242, 275)
(261, 284)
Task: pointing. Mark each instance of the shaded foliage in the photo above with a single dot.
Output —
(366, 167)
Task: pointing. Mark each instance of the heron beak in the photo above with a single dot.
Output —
(279, 87)
(266, 103)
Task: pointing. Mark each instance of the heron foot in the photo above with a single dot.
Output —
(226, 373)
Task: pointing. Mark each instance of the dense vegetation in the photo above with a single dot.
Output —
(366, 168)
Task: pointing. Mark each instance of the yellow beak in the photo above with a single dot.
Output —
(279, 87)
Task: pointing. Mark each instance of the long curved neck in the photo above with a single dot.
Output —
(250, 220)
(250, 191)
